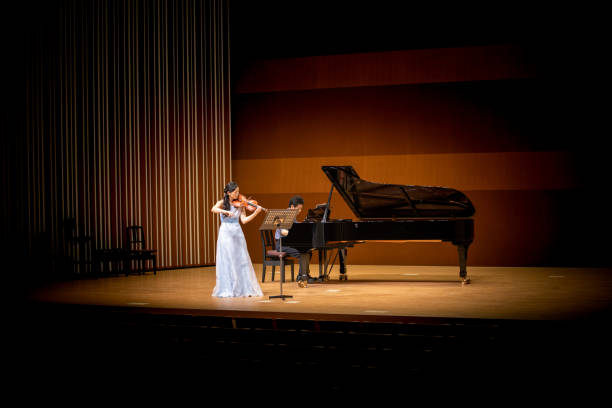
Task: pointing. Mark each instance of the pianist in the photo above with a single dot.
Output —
(303, 275)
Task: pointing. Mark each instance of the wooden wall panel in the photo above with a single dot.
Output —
(484, 116)
(482, 120)
(463, 171)
(387, 68)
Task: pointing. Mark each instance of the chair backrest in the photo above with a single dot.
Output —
(135, 237)
(267, 241)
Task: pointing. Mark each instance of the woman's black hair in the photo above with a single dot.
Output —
(229, 187)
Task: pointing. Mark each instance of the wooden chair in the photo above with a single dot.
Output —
(79, 247)
(272, 257)
(110, 261)
(137, 251)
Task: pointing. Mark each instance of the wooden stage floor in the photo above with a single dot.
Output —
(372, 292)
(387, 329)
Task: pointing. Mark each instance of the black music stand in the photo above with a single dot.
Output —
(283, 219)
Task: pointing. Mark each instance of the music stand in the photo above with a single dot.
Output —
(274, 220)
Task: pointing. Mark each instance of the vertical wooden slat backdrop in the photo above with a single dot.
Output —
(127, 124)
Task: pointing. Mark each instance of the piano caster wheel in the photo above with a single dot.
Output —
(343, 277)
(465, 281)
(302, 284)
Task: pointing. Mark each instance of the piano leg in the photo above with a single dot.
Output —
(326, 263)
(342, 260)
(462, 249)
(322, 258)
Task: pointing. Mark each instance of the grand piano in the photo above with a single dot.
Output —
(385, 212)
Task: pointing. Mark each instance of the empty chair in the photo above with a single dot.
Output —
(137, 250)
(79, 247)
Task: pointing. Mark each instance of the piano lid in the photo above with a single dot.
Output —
(370, 200)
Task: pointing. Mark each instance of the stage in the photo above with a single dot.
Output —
(386, 328)
(371, 293)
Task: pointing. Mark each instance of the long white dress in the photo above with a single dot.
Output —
(235, 273)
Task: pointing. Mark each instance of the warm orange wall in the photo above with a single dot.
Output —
(483, 124)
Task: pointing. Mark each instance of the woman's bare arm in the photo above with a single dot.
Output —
(218, 208)
(246, 219)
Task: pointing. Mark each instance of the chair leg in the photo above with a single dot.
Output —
(127, 266)
(292, 275)
(263, 272)
(273, 268)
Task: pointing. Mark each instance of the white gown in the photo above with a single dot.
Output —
(235, 273)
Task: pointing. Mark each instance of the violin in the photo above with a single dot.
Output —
(247, 203)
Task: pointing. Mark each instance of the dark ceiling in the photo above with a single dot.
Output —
(279, 29)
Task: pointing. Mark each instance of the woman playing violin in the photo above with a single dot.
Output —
(235, 273)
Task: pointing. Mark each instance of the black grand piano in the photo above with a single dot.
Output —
(385, 212)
